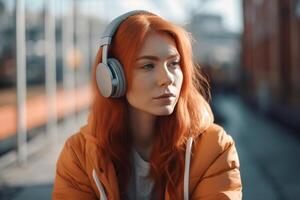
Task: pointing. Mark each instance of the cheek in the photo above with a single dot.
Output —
(142, 83)
(179, 79)
(137, 90)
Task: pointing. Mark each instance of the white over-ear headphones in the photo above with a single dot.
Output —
(109, 73)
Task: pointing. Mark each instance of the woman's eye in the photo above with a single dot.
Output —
(148, 66)
(175, 63)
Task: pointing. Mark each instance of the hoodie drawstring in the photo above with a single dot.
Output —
(187, 168)
(99, 186)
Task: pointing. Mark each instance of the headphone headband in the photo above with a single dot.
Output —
(113, 26)
(111, 29)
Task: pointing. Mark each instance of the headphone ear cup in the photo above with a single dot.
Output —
(120, 82)
(104, 78)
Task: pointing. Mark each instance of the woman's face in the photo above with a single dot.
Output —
(156, 77)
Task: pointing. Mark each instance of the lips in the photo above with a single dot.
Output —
(165, 95)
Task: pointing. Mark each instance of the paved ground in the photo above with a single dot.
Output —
(35, 180)
(268, 154)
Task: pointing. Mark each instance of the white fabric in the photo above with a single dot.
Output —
(140, 188)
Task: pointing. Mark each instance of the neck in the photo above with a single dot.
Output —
(141, 126)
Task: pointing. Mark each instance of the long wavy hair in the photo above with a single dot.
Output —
(109, 121)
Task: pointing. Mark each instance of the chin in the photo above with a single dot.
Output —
(164, 111)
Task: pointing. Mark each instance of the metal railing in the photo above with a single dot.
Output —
(72, 72)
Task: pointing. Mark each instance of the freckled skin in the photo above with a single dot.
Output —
(154, 77)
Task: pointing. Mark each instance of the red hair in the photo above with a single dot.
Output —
(109, 119)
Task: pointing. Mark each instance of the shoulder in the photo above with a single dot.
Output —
(214, 170)
(214, 138)
(72, 180)
(73, 151)
(76, 141)
(208, 147)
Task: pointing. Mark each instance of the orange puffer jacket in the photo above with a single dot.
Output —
(214, 170)
(84, 173)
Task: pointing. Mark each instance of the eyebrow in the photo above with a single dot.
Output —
(149, 57)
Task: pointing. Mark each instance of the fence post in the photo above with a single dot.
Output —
(68, 60)
(50, 59)
(21, 82)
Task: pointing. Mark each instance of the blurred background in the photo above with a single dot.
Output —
(249, 50)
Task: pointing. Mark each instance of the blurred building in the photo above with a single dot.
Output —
(7, 46)
(271, 49)
(214, 44)
(216, 49)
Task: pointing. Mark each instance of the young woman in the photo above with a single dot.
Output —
(150, 133)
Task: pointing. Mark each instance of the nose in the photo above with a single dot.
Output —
(165, 77)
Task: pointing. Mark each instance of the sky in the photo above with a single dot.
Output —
(231, 10)
(175, 10)
(179, 10)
